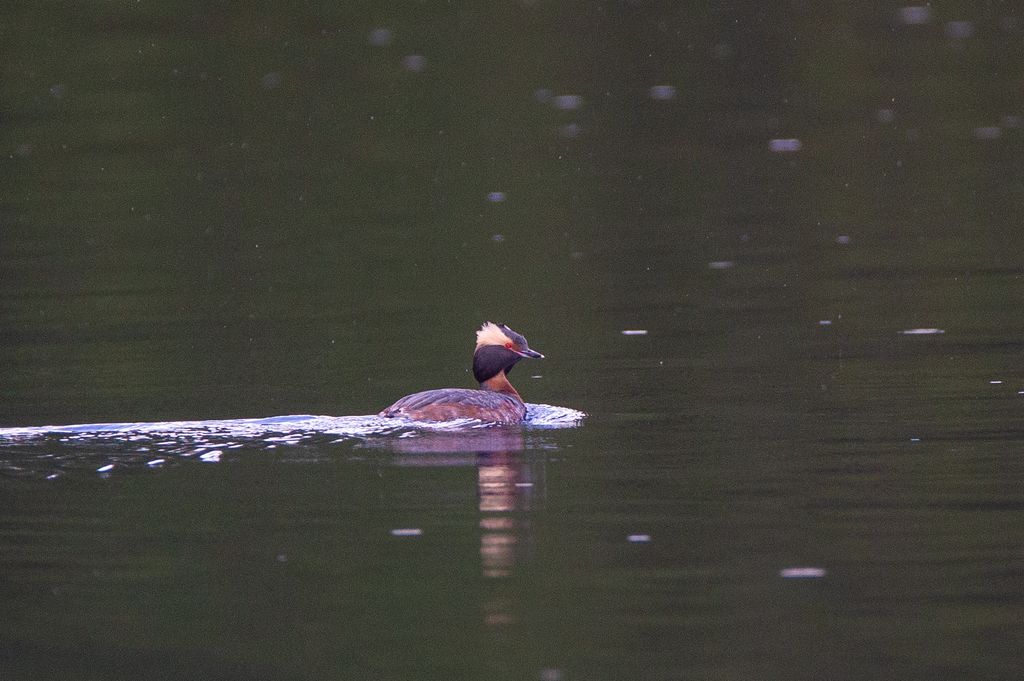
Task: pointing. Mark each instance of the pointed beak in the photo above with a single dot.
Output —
(531, 353)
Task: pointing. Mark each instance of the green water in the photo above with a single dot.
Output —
(221, 211)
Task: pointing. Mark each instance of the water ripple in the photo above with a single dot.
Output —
(104, 447)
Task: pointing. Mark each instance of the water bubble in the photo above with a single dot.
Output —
(784, 145)
(496, 197)
(801, 572)
(414, 62)
(663, 92)
(916, 15)
(406, 532)
(380, 37)
(959, 29)
(568, 102)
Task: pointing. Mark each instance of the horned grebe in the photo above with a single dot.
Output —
(498, 348)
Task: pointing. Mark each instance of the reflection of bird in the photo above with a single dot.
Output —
(498, 348)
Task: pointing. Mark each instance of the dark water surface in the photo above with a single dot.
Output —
(804, 461)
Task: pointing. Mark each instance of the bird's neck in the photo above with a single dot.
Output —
(499, 383)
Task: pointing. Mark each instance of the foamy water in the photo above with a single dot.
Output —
(51, 451)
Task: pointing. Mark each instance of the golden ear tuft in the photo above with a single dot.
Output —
(491, 334)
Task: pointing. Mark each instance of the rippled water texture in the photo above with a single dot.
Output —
(108, 447)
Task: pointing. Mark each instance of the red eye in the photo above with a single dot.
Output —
(508, 345)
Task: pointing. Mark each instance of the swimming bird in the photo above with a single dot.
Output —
(498, 349)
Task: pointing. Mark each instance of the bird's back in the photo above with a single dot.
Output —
(458, 403)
